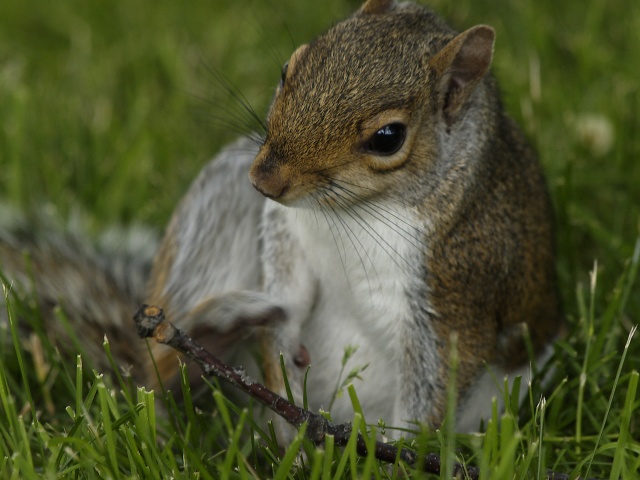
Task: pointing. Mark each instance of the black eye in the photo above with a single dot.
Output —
(388, 140)
(283, 75)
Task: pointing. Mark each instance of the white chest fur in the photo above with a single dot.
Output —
(365, 263)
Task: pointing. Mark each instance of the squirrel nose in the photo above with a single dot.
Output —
(270, 191)
(267, 178)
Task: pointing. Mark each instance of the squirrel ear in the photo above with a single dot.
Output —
(376, 6)
(460, 66)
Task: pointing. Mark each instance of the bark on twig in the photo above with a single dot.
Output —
(150, 323)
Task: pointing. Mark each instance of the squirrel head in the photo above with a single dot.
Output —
(358, 109)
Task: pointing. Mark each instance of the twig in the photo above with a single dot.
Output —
(150, 323)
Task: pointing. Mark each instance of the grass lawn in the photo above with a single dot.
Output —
(111, 108)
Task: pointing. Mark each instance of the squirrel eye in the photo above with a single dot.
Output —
(283, 75)
(388, 140)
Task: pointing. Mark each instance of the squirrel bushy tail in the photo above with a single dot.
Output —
(97, 283)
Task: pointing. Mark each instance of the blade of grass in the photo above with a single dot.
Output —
(541, 413)
(108, 432)
(328, 457)
(286, 464)
(625, 435)
(611, 397)
(350, 449)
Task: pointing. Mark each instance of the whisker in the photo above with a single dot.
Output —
(395, 198)
(237, 95)
(229, 115)
(240, 129)
(351, 235)
(376, 236)
(411, 234)
(327, 216)
(241, 150)
(268, 45)
(307, 200)
(401, 201)
(246, 106)
(322, 172)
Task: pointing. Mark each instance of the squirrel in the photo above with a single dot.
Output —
(392, 206)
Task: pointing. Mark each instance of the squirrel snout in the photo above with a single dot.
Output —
(273, 191)
(267, 178)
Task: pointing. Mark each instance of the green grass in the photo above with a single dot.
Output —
(112, 108)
